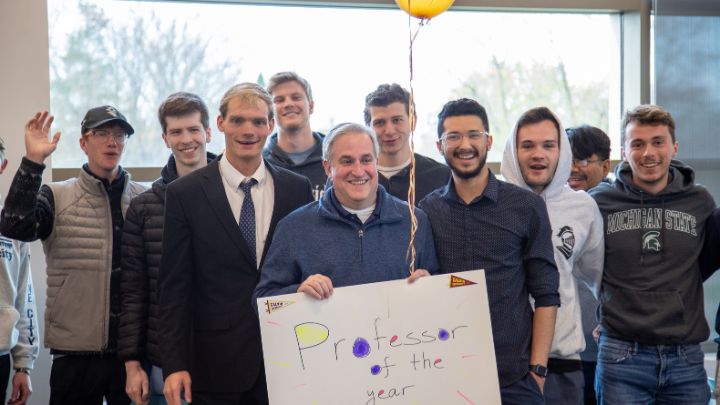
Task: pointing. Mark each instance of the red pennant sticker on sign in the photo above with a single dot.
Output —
(456, 281)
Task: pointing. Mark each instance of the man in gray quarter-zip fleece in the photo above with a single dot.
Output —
(357, 233)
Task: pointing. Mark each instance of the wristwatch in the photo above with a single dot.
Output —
(23, 370)
(539, 370)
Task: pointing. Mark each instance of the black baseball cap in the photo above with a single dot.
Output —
(98, 116)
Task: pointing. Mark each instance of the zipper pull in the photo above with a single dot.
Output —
(360, 233)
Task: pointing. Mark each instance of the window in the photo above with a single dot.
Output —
(686, 67)
(133, 54)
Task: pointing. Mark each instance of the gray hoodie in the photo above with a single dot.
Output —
(652, 287)
(577, 238)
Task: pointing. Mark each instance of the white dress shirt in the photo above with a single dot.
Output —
(263, 196)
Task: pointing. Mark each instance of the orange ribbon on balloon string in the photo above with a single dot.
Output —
(423, 10)
(411, 252)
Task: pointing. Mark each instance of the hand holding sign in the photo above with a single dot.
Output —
(428, 342)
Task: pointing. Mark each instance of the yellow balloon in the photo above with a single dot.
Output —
(424, 8)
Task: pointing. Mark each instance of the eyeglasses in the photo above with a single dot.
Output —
(585, 162)
(104, 135)
(456, 137)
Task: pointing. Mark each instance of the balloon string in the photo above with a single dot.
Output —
(411, 252)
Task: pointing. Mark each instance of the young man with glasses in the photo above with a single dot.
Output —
(480, 222)
(591, 164)
(591, 157)
(537, 158)
(80, 223)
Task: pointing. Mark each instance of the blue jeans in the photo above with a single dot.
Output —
(631, 373)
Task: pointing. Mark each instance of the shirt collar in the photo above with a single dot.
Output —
(490, 192)
(119, 179)
(233, 177)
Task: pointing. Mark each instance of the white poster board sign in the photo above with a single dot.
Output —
(429, 342)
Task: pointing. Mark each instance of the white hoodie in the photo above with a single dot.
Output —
(578, 240)
(18, 323)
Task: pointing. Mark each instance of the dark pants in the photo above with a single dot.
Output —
(85, 380)
(523, 392)
(589, 372)
(564, 388)
(4, 376)
(257, 395)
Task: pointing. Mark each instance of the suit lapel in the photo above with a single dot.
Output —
(278, 207)
(217, 200)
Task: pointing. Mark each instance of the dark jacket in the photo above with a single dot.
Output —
(138, 337)
(710, 256)
(652, 286)
(311, 168)
(429, 175)
(207, 276)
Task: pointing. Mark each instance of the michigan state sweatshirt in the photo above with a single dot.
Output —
(652, 286)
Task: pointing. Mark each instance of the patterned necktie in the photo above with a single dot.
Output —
(247, 217)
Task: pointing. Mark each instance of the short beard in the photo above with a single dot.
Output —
(465, 175)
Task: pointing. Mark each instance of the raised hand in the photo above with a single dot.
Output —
(38, 145)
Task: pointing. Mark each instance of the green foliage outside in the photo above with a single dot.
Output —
(132, 64)
(507, 90)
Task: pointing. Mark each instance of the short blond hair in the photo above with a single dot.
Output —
(284, 77)
(249, 93)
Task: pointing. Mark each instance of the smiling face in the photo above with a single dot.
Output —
(246, 125)
(392, 126)
(292, 107)
(104, 153)
(466, 158)
(187, 137)
(586, 177)
(538, 153)
(648, 149)
(352, 165)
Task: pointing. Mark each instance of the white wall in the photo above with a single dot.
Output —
(25, 89)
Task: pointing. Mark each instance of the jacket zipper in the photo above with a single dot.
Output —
(360, 236)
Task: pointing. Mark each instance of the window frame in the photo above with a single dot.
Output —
(635, 85)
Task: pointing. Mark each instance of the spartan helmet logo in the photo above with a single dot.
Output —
(651, 241)
(112, 111)
(567, 237)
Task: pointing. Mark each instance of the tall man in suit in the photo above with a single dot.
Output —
(219, 221)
